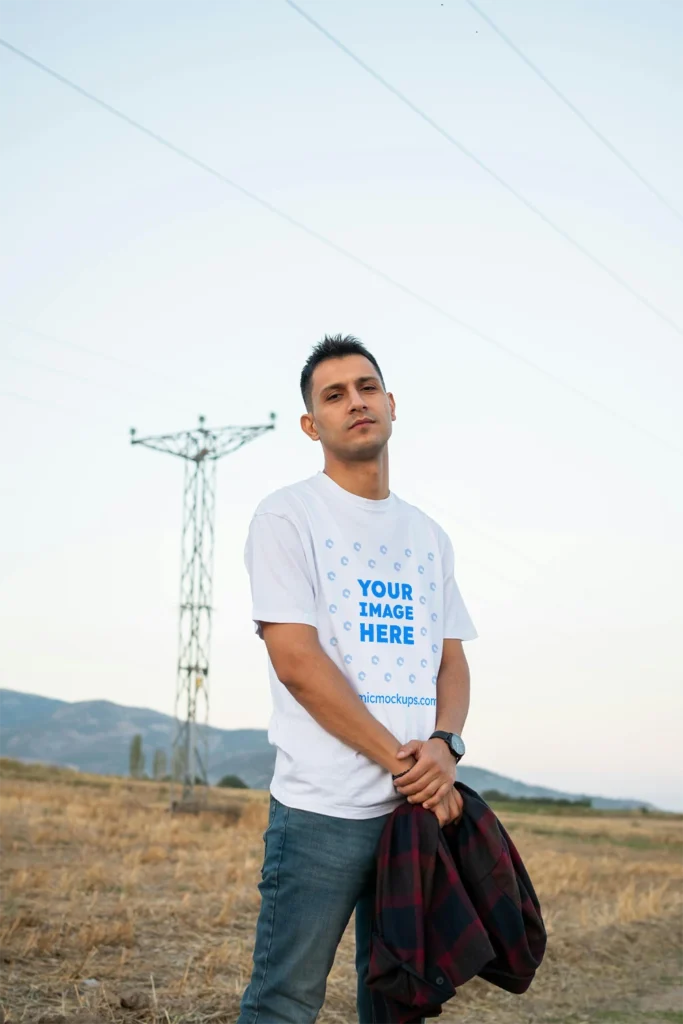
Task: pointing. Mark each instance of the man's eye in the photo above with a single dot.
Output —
(330, 397)
(369, 387)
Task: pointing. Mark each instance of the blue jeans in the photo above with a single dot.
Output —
(316, 870)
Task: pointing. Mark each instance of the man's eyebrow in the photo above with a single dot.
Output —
(340, 387)
(332, 387)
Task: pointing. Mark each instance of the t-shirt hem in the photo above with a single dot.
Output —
(299, 803)
(298, 618)
(462, 634)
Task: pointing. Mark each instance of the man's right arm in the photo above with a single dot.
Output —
(321, 688)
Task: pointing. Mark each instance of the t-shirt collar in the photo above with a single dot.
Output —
(337, 493)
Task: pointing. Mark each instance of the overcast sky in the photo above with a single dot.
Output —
(165, 293)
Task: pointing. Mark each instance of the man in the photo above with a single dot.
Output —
(354, 596)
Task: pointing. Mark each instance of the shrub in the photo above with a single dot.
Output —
(232, 782)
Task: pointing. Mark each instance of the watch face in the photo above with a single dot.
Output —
(457, 745)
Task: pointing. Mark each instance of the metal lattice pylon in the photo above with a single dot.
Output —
(201, 449)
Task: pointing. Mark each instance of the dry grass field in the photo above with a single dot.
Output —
(114, 910)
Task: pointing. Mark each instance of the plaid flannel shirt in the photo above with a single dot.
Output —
(450, 904)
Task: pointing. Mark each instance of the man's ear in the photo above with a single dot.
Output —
(308, 426)
(392, 405)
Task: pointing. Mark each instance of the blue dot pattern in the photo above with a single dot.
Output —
(349, 595)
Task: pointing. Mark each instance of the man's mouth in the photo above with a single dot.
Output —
(360, 423)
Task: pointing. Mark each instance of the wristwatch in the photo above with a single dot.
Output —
(456, 744)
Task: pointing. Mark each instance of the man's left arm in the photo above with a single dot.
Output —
(432, 777)
(452, 689)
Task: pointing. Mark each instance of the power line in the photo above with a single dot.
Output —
(622, 282)
(181, 385)
(575, 110)
(468, 524)
(405, 289)
(23, 360)
(466, 557)
(47, 369)
(35, 401)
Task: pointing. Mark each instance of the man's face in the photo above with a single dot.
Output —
(351, 412)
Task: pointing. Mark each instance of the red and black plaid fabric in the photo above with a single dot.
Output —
(451, 904)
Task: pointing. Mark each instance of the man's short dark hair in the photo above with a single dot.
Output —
(333, 346)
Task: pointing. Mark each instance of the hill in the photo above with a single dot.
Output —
(94, 736)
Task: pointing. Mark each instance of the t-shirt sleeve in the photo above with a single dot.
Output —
(281, 585)
(457, 622)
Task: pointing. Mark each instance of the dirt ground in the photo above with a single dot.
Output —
(114, 910)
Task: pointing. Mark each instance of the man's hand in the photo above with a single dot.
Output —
(433, 775)
(449, 809)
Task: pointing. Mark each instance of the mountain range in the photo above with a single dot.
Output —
(94, 736)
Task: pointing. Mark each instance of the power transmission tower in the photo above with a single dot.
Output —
(201, 449)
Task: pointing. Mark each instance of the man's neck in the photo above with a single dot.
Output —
(366, 479)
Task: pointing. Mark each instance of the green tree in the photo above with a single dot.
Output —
(159, 764)
(233, 782)
(137, 757)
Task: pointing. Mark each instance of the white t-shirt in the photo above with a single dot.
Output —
(375, 578)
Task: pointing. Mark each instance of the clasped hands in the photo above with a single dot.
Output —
(430, 780)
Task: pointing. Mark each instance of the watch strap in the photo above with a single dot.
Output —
(440, 734)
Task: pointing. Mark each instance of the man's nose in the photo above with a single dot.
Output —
(357, 399)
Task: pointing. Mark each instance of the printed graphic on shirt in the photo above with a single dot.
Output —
(375, 606)
(389, 629)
